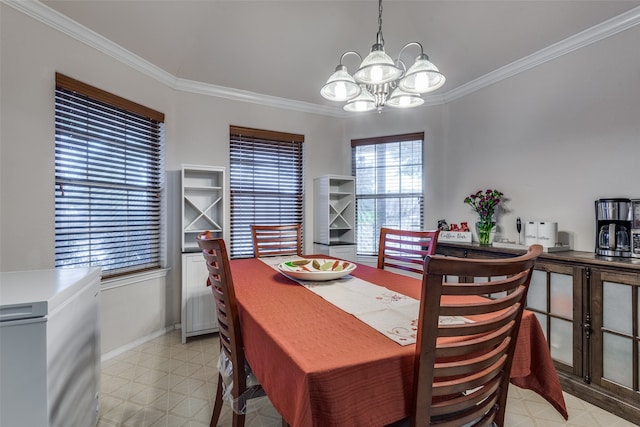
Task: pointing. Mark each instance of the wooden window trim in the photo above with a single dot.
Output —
(265, 134)
(68, 83)
(386, 139)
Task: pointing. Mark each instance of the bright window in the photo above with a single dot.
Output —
(109, 180)
(266, 183)
(389, 180)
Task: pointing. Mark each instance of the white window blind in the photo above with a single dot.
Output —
(389, 180)
(109, 180)
(266, 183)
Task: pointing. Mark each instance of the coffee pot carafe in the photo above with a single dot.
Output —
(613, 232)
(620, 240)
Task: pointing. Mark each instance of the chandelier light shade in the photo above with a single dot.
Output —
(365, 101)
(422, 77)
(402, 99)
(340, 86)
(380, 81)
(377, 68)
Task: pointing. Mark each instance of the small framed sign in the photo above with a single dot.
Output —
(455, 236)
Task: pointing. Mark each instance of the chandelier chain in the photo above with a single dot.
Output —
(380, 38)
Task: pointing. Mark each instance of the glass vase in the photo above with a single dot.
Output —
(485, 230)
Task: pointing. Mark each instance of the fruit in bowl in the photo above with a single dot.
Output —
(316, 269)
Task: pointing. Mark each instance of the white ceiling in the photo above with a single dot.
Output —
(288, 49)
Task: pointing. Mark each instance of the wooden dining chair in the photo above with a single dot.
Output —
(405, 249)
(269, 240)
(464, 351)
(243, 384)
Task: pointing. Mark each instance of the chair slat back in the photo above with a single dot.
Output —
(221, 281)
(405, 249)
(463, 360)
(270, 240)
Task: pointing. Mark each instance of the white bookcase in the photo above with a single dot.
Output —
(335, 216)
(204, 204)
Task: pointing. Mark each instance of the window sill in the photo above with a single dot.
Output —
(131, 279)
(370, 260)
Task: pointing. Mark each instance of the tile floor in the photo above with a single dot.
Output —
(165, 383)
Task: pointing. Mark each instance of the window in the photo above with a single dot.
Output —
(388, 173)
(266, 183)
(109, 180)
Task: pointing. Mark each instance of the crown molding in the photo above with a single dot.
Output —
(62, 23)
(255, 98)
(584, 38)
(39, 11)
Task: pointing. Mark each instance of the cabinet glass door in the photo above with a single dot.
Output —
(551, 298)
(617, 332)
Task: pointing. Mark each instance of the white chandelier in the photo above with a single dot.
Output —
(380, 81)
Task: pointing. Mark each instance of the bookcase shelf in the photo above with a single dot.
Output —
(203, 200)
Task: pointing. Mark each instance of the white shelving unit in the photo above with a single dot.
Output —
(204, 204)
(335, 216)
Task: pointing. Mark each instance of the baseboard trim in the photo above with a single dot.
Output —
(139, 341)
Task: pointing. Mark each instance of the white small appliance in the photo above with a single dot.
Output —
(531, 233)
(543, 233)
(547, 234)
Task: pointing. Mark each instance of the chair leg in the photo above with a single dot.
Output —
(217, 405)
(238, 420)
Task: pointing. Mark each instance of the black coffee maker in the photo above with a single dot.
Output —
(613, 227)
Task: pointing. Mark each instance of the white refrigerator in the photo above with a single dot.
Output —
(50, 347)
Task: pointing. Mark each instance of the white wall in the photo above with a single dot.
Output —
(553, 139)
(31, 55)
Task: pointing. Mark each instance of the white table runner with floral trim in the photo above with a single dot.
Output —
(391, 313)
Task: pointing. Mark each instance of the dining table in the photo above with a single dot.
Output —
(321, 366)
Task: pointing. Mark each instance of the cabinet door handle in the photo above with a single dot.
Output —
(586, 327)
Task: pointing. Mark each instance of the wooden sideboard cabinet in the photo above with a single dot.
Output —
(589, 309)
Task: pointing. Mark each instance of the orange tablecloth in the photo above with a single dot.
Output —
(320, 366)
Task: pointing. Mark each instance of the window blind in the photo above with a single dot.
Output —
(389, 181)
(109, 180)
(266, 183)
